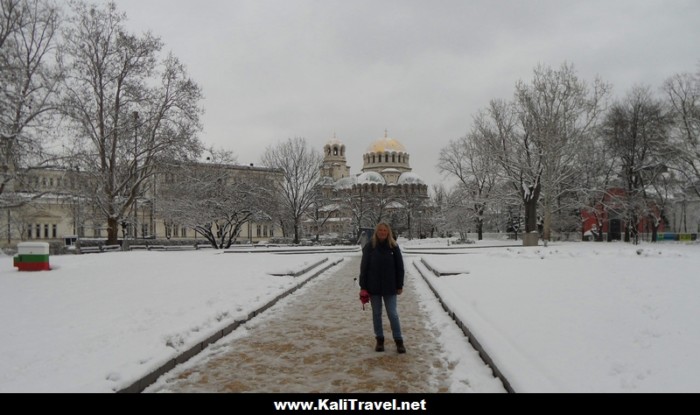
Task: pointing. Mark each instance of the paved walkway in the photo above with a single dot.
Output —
(319, 340)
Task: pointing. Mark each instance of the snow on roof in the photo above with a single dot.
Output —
(370, 177)
(410, 178)
(330, 208)
(326, 181)
(345, 183)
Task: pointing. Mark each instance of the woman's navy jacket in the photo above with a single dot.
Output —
(381, 270)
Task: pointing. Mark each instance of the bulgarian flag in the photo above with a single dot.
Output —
(32, 256)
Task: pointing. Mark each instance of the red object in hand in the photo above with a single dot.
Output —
(364, 298)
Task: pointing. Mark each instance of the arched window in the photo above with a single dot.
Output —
(393, 158)
(335, 151)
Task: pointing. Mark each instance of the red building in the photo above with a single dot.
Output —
(608, 217)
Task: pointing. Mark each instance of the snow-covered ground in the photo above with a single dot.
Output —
(570, 317)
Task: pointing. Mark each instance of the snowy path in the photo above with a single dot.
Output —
(320, 340)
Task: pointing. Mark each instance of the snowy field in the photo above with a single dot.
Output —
(581, 317)
(570, 317)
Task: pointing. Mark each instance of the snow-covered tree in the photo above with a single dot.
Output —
(557, 113)
(215, 198)
(130, 109)
(535, 138)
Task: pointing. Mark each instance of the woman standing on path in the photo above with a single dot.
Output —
(381, 279)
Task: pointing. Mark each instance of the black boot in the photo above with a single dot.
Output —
(380, 345)
(399, 346)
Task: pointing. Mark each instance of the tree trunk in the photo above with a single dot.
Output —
(547, 224)
(654, 230)
(530, 215)
(112, 231)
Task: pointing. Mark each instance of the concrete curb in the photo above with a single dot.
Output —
(301, 271)
(472, 339)
(141, 384)
(277, 250)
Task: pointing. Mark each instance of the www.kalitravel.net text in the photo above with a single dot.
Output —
(351, 405)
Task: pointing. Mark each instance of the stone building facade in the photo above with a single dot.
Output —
(56, 210)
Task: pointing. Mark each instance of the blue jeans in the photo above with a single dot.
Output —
(391, 312)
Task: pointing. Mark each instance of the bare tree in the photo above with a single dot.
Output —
(596, 182)
(459, 214)
(662, 192)
(358, 204)
(300, 166)
(320, 211)
(30, 79)
(515, 152)
(683, 95)
(380, 203)
(438, 217)
(637, 131)
(130, 110)
(467, 160)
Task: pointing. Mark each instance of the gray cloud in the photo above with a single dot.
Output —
(271, 70)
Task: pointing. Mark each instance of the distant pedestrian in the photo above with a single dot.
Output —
(381, 277)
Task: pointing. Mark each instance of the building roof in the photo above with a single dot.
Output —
(345, 183)
(386, 144)
(410, 178)
(370, 177)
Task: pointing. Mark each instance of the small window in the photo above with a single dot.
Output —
(54, 231)
(38, 231)
(29, 231)
(46, 230)
(259, 230)
(51, 181)
(265, 230)
(183, 232)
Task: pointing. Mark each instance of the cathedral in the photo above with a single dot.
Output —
(385, 190)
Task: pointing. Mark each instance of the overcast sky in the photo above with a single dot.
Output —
(274, 69)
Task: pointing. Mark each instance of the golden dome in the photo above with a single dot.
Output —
(386, 144)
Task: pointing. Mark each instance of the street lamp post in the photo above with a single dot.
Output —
(136, 165)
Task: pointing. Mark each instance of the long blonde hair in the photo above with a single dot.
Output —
(389, 238)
